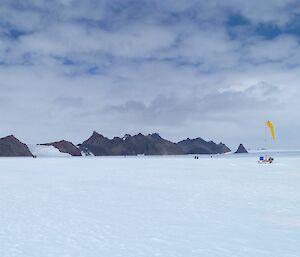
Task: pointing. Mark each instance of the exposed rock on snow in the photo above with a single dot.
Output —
(151, 144)
(11, 146)
(200, 146)
(65, 147)
(98, 145)
(241, 149)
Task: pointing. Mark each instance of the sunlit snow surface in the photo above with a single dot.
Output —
(150, 206)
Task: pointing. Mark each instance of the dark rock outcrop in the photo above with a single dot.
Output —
(200, 146)
(151, 144)
(11, 146)
(66, 147)
(241, 149)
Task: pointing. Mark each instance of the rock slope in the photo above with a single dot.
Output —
(151, 144)
(241, 149)
(200, 146)
(65, 147)
(10, 146)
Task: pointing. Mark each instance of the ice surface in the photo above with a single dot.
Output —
(144, 207)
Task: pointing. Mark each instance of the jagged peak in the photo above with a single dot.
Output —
(192, 140)
(241, 149)
(126, 136)
(97, 135)
(155, 135)
(196, 139)
(139, 135)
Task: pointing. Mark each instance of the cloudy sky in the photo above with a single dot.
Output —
(215, 69)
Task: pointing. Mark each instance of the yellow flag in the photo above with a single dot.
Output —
(271, 127)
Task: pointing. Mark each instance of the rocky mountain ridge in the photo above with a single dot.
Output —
(139, 144)
(241, 149)
(200, 146)
(65, 147)
(98, 145)
(10, 146)
(152, 144)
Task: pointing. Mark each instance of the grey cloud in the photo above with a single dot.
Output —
(70, 67)
(69, 102)
(169, 110)
(283, 48)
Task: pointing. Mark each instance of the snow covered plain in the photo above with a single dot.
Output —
(150, 206)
